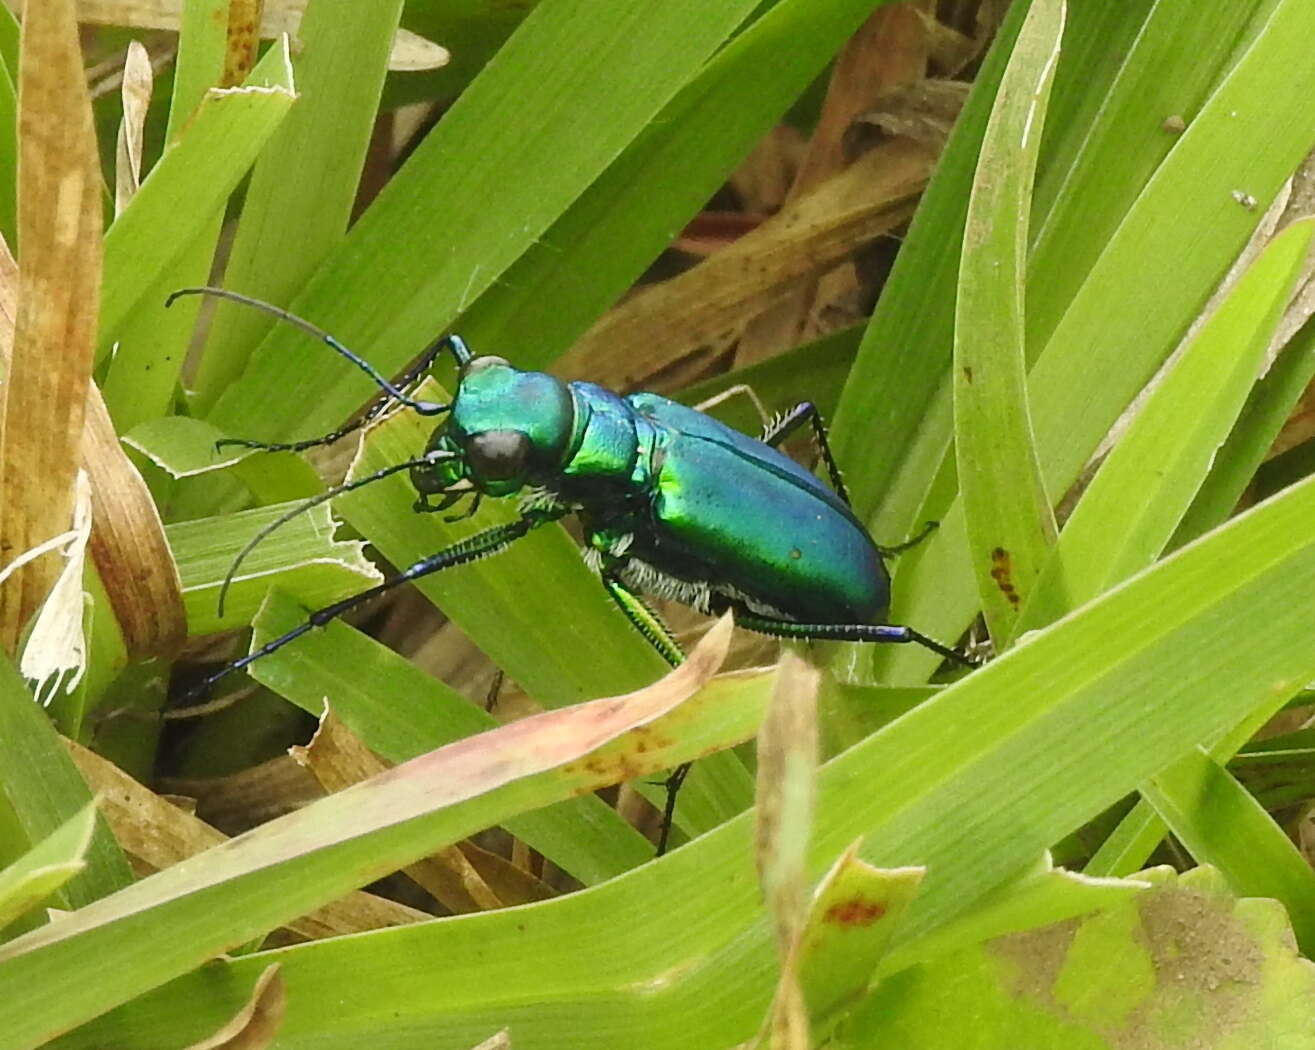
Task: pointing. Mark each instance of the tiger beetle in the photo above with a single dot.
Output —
(673, 503)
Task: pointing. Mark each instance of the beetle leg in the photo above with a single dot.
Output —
(480, 545)
(927, 529)
(659, 636)
(846, 632)
(806, 412)
(646, 621)
(732, 391)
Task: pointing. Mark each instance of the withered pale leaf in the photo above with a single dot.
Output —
(786, 789)
(128, 544)
(138, 79)
(257, 1023)
(59, 229)
(497, 1041)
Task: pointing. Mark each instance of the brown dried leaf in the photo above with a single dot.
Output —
(762, 182)
(668, 321)
(509, 881)
(158, 833)
(786, 791)
(888, 51)
(138, 79)
(337, 759)
(128, 544)
(59, 228)
(925, 112)
(257, 1023)
(240, 801)
(410, 51)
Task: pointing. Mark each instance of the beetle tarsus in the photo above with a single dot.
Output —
(672, 784)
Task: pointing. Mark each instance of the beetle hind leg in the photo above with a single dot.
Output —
(889, 633)
(806, 412)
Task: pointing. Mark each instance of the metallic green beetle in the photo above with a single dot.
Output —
(673, 503)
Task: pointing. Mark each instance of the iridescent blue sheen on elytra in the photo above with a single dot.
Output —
(673, 501)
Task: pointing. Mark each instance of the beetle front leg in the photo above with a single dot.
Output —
(481, 545)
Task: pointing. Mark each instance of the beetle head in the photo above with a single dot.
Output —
(505, 428)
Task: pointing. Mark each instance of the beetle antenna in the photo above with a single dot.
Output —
(425, 408)
(337, 490)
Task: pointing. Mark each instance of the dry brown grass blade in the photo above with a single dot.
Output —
(157, 833)
(59, 232)
(128, 543)
(8, 317)
(508, 879)
(138, 78)
(410, 51)
(785, 796)
(255, 1026)
(889, 50)
(662, 324)
(338, 759)
(238, 802)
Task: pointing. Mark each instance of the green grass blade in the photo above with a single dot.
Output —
(348, 839)
(1171, 69)
(905, 354)
(304, 184)
(1010, 525)
(1132, 507)
(1183, 231)
(399, 712)
(186, 190)
(626, 218)
(485, 184)
(302, 559)
(1271, 403)
(1220, 823)
(973, 784)
(47, 866)
(142, 384)
(43, 789)
(812, 372)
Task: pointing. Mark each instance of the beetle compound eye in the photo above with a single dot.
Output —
(498, 455)
(478, 364)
